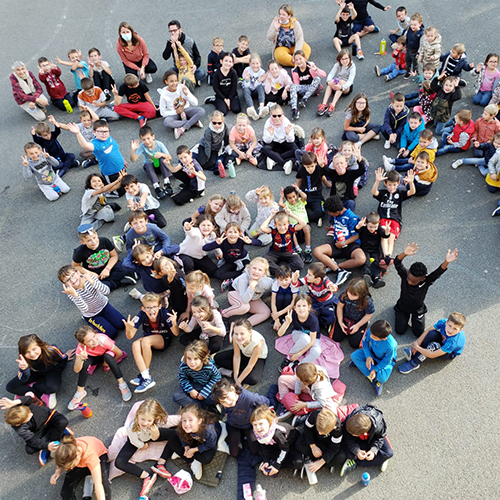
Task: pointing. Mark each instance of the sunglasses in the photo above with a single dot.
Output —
(277, 116)
(216, 123)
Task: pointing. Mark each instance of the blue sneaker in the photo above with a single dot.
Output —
(68, 432)
(351, 364)
(378, 387)
(376, 29)
(408, 353)
(43, 457)
(137, 380)
(408, 367)
(147, 383)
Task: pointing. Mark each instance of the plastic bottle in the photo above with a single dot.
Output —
(259, 494)
(68, 106)
(84, 408)
(222, 170)
(231, 169)
(383, 44)
(365, 479)
(88, 488)
(340, 237)
(56, 188)
(156, 162)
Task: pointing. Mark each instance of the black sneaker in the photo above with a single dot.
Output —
(168, 189)
(114, 206)
(295, 114)
(354, 49)
(286, 362)
(367, 278)
(303, 103)
(378, 283)
(128, 280)
(407, 76)
(210, 99)
(308, 257)
(160, 193)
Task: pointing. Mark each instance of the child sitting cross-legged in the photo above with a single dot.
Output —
(283, 293)
(398, 67)
(457, 134)
(425, 174)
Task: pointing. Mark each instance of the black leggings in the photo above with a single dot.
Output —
(52, 431)
(97, 360)
(125, 454)
(278, 97)
(221, 105)
(214, 343)
(205, 264)
(150, 68)
(354, 340)
(302, 446)
(74, 476)
(187, 192)
(103, 80)
(235, 437)
(174, 445)
(228, 270)
(225, 360)
(280, 152)
(158, 218)
(46, 383)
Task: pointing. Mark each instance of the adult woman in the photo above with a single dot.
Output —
(28, 92)
(134, 54)
(287, 36)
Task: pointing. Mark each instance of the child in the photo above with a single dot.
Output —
(487, 78)
(283, 293)
(371, 234)
(105, 149)
(241, 55)
(492, 178)
(197, 284)
(233, 211)
(246, 360)
(212, 208)
(390, 206)
(239, 405)
(148, 426)
(225, 85)
(279, 141)
(425, 174)
(47, 140)
(394, 120)
(98, 255)
(403, 24)
(213, 60)
(322, 293)
(139, 198)
(445, 339)
(275, 441)
(82, 457)
(415, 283)
(234, 255)
(357, 125)
(197, 375)
(139, 105)
(310, 180)
(366, 440)
(398, 67)
(454, 62)
(263, 198)
(178, 106)
(413, 35)
(249, 287)
(306, 77)
(378, 355)
(349, 150)
(100, 72)
(213, 143)
(94, 98)
(343, 180)
(294, 200)
(94, 349)
(40, 367)
(345, 242)
(428, 74)
(253, 76)
(281, 250)
(446, 94)
(318, 146)
(411, 133)
(196, 439)
(485, 129)
(155, 155)
(305, 333)
(242, 141)
(430, 48)
(39, 427)
(425, 98)
(457, 135)
(277, 84)
(90, 297)
(172, 277)
(354, 311)
(79, 68)
(344, 36)
(50, 74)
(190, 174)
(159, 326)
(489, 149)
(40, 164)
(184, 64)
(339, 81)
(209, 320)
(191, 249)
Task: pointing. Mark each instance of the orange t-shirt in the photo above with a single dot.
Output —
(93, 448)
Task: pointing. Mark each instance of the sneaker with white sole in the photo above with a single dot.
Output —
(388, 165)
(43, 457)
(408, 367)
(349, 465)
(384, 465)
(456, 164)
(377, 70)
(126, 393)
(147, 383)
(148, 484)
(199, 124)
(342, 276)
(178, 132)
(197, 469)
(287, 167)
(263, 111)
(161, 470)
(320, 222)
(77, 398)
(408, 353)
(119, 243)
(135, 294)
(270, 163)
(387, 144)
(252, 113)
(496, 212)
(52, 401)
(149, 78)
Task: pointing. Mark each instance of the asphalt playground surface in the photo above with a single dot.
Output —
(442, 419)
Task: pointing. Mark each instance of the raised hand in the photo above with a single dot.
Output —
(452, 256)
(380, 175)
(411, 249)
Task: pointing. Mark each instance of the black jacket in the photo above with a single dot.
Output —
(376, 435)
(189, 45)
(328, 444)
(284, 437)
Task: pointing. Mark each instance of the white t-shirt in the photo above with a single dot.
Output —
(151, 202)
(254, 340)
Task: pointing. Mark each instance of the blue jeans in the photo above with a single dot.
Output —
(480, 162)
(183, 398)
(248, 93)
(392, 70)
(440, 127)
(482, 98)
(199, 74)
(412, 102)
(402, 165)
(108, 321)
(354, 136)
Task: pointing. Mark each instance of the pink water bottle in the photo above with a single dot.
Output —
(84, 408)
(222, 170)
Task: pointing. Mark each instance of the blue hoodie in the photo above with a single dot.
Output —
(383, 352)
(409, 138)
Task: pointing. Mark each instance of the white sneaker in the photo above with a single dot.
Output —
(149, 78)
(384, 465)
(52, 401)
(270, 163)
(197, 469)
(387, 144)
(359, 144)
(199, 123)
(287, 167)
(456, 164)
(77, 398)
(388, 165)
(377, 137)
(178, 132)
(263, 111)
(252, 113)
(135, 294)
(320, 222)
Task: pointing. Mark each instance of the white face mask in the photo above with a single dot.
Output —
(126, 36)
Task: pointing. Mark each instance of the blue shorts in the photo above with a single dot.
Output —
(359, 24)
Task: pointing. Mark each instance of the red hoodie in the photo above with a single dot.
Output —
(462, 135)
(400, 58)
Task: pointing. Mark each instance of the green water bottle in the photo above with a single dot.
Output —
(67, 105)
(231, 169)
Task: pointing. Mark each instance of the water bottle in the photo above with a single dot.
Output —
(222, 170)
(259, 494)
(340, 237)
(383, 43)
(57, 189)
(88, 488)
(84, 408)
(219, 475)
(365, 479)
(67, 105)
(231, 169)
(156, 162)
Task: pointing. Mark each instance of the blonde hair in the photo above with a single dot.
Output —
(197, 278)
(266, 191)
(491, 109)
(217, 114)
(217, 39)
(464, 115)
(200, 350)
(432, 29)
(459, 48)
(263, 411)
(234, 201)
(286, 7)
(259, 260)
(417, 17)
(318, 132)
(16, 415)
(151, 297)
(326, 421)
(308, 373)
(458, 319)
(153, 408)
(242, 116)
(255, 57)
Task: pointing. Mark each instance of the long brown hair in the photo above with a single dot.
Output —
(358, 287)
(134, 40)
(66, 452)
(206, 419)
(49, 355)
(356, 116)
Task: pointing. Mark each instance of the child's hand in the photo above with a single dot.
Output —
(59, 60)
(387, 228)
(471, 65)
(114, 89)
(246, 239)
(129, 324)
(372, 375)
(270, 129)
(184, 89)
(189, 452)
(452, 256)
(380, 175)
(277, 324)
(288, 317)
(73, 127)
(22, 363)
(135, 144)
(316, 451)
(157, 254)
(361, 454)
(411, 249)
(449, 140)
(6, 403)
(33, 131)
(220, 239)
(369, 455)
(52, 120)
(369, 362)
(410, 176)
(44, 152)
(183, 325)
(24, 159)
(194, 394)
(55, 477)
(69, 290)
(183, 317)
(362, 222)
(52, 446)
(299, 405)
(288, 128)
(172, 317)
(83, 354)
(295, 276)
(332, 287)
(188, 226)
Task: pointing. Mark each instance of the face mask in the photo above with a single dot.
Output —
(126, 36)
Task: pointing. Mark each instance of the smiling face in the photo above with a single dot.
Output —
(133, 189)
(424, 142)
(431, 36)
(95, 57)
(300, 61)
(284, 282)
(199, 313)
(310, 168)
(496, 143)
(282, 225)
(172, 82)
(206, 227)
(428, 74)
(151, 308)
(145, 420)
(261, 426)
(91, 340)
(96, 183)
(401, 15)
(361, 104)
(241, 125)
(74, 279)
(217, 123)
(283, 16)
(414, 123)
(415, 25)
(257, 271)
(232, 234)
(292, 197)
(33, 352)
(45, 66)
(448, 87)
(372, 228)
(230, 399)
(21, 72)
(227, 63)
(398, 106)
(90, 240)
(242, 335)
(139, 225)
(193, 361)
(317, 141)
(340, 164)
(492, 63)
(302, 308)
(145, 259)
(421, 164)
(274, 69)
(186, 158)
(242, 45)
(34, 153)
(190, 423)
(86, 121)
(148, 140)
(255, 65)
(265, 200)
(452, 329)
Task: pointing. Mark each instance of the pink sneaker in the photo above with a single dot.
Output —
(122, 357)
(91, 369)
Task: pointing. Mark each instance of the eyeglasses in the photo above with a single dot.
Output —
(216, 123)
(174, 30)
(151, 308)
(277, 116)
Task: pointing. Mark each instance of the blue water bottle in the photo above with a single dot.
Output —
(365, 479)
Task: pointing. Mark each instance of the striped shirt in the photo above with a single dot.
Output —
(91, 299)
(207, 377)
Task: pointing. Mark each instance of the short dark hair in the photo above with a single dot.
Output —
(94, 49)
(174, 22)
(392, 176)
(415, 116)
(425, 134)
(42, 60)
(309, 158)
(381, 329)
(317, 269)
(424, 155)
(90, 177)
(223, 55)
(373, 218)
(333, 204)
(145, 131)
(87, 83)
(428, 67)
(129, 179)
(283, 272)
(418, 269)
(168, 74)
(288, 190)
(401, 9)
(398, 97)
(402, 41)
(182, 149)
(101, 123)
(137, 214)
(222, 387)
